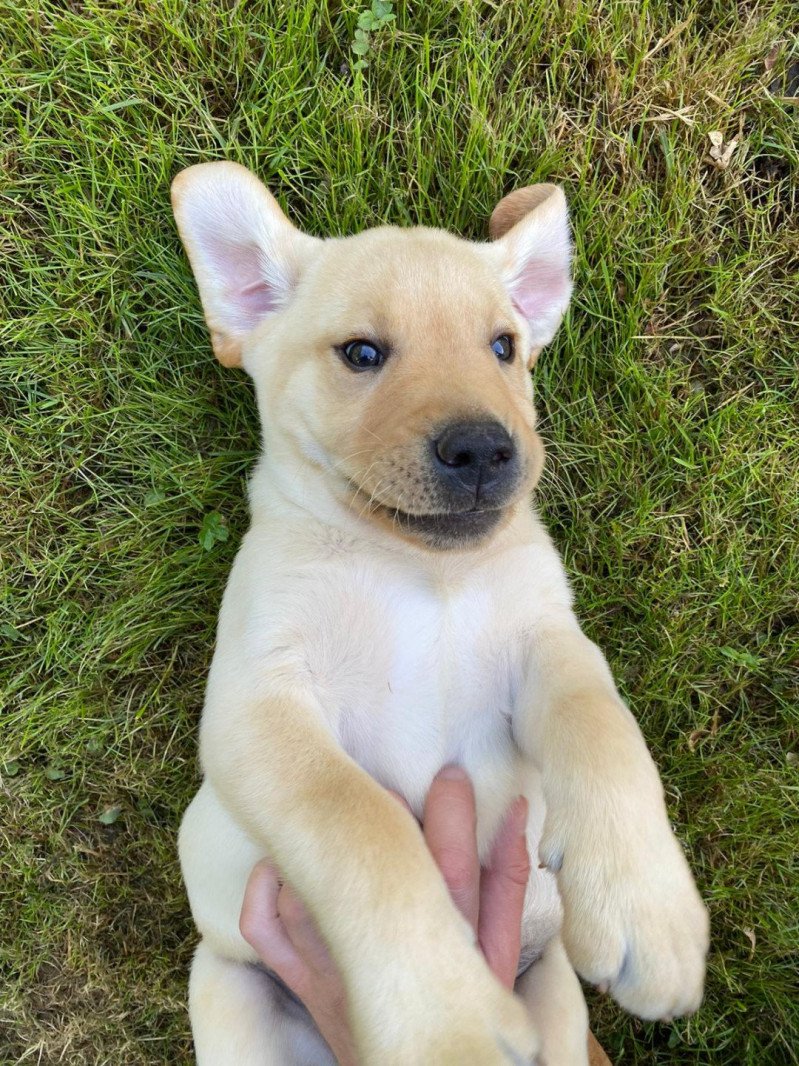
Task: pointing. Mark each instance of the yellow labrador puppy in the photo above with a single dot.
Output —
(397, 605)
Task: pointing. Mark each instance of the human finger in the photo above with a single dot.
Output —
(449, 827)
(304, 936)
(261, 926)
(502, 891)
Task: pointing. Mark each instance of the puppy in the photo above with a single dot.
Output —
(396, 605)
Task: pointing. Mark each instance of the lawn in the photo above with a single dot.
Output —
(668, 403)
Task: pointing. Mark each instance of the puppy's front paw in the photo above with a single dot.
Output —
(634, 923)
(494, 1031)
(467, 1021)
(512, 1031)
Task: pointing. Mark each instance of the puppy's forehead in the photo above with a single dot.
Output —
(400, 278)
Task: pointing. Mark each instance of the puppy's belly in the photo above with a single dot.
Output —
(217, 856)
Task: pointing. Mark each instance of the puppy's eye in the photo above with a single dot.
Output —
(502, 347)
(362, 355)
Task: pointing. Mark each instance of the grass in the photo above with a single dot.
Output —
(668, 403)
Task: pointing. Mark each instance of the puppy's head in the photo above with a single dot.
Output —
(396, 361)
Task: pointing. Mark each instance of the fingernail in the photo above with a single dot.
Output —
(451, 772)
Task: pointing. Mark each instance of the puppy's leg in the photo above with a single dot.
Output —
(419, 989)
(552, 994)
(232, 1013)
(237, 1019)
(633, 919)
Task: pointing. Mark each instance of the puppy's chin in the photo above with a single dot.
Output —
(442, 532)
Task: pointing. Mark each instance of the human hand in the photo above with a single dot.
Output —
(277, 925)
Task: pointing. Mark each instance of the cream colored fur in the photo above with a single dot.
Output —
(353, 656)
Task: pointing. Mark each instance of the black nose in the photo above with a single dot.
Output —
(476, 459)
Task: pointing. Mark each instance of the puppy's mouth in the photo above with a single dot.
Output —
(445, 530)
(436, 517)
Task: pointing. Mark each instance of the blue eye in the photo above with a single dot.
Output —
(502, 347)
(363, 355)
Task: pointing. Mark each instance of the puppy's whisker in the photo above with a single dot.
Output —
(371, 495)
(352, 455)
(377, 437)
(374, 498)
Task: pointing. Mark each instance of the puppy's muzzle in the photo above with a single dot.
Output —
(475, 463)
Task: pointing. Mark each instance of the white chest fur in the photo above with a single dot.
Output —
(425, 679)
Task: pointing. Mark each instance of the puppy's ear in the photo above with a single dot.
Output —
(513, 207)
(245, 254)
(530, 228)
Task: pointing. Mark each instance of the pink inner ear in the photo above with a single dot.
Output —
(539, 288)
(259, 299)
(250, 292)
